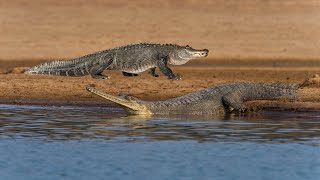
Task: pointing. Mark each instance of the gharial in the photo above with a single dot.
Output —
(130, 59)
(212, 100)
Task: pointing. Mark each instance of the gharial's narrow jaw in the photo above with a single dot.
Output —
(131, 104)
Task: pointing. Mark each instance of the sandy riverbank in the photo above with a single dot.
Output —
(259, 41)
(18, 88)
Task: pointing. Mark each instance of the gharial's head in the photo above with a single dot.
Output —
(134, 105)
(131, 104)
(182, 54)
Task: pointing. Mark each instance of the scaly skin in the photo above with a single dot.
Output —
(130, 59)
(211, 100)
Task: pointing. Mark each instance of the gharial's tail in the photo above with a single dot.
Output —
(277, 90)
(60, 68)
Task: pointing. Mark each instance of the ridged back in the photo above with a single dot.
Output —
(209, 99)
(78, 65)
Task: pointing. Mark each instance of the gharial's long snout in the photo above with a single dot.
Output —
(129, 102)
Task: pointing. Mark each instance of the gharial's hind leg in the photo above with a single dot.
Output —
(100, 66)
(234, 100)
(129, 74)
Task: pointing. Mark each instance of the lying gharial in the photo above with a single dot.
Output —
(211, 100)
(130, 59)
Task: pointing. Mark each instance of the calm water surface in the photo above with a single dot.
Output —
(39, 142)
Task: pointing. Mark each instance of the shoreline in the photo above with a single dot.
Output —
(252, 106)
(19, 88)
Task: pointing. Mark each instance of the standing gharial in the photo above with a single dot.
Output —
(130, 59)
(209, 101)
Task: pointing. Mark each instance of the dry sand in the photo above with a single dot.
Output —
(250, 40)
(233, 29)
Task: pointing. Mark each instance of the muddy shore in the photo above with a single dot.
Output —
(258, 41)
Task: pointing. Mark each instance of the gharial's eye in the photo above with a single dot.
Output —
(187, 46)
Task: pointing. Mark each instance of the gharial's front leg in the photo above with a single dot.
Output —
(100, 65)
(162, 64)
(234, 100)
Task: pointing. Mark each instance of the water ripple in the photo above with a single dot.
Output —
(111, 123)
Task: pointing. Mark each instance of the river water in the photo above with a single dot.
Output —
(49, 142)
